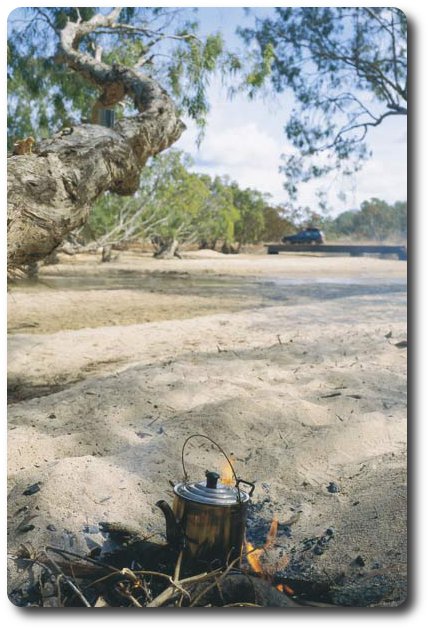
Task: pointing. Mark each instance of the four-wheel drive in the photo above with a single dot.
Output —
(309, 236)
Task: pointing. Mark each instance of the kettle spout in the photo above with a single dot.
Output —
(174, 533)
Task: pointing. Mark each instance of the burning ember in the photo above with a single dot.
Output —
(284, 588)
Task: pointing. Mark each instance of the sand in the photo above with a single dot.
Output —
(289, 362)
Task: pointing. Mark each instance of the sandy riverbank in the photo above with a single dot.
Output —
(289, 362)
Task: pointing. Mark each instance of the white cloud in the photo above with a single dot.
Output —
(246, 152)
(240, 145)
(245, 140)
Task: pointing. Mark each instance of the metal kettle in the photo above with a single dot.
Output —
(208, 518)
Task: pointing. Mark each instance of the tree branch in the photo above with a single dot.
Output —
(363, 126)
(46, 18)
(51, 191)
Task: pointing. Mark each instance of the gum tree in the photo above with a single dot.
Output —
(127, 60)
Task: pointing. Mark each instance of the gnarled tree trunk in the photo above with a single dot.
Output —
(167, 249)
(52, 189)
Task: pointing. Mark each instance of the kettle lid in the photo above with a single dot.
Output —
(211, 492)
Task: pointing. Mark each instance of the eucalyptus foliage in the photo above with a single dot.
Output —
(347, 70)
(44, 95)
(251, 205)
(375, 220)
(174, 203)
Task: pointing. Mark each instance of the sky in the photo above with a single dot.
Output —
(246, 139)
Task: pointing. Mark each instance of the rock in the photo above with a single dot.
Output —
(35, 487)
(359, 561)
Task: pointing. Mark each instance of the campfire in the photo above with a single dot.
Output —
(140, 573)
(207, 559)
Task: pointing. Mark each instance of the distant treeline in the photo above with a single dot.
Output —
(375, 220)
(176, 205)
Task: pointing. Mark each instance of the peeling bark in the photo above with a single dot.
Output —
(51, 190)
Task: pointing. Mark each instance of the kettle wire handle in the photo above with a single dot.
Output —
(247, 483)
(219, 448)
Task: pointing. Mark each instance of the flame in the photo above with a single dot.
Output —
(271, 536)
(284, 588)
(227, 477)
(254, 554)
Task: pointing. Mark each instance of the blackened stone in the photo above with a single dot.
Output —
(35, 487)
(22, 529)
(359, 561)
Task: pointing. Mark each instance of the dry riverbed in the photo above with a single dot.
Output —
(295, 364)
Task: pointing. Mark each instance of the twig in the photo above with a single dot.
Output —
(70, 583)
(65, 552)
(219, 589)
(59, 575)
(178, 566)
(203, 592)
(164, 597)
(59, 590)
(134, 600)
(215, 583)
(171, 591)
(129, 573)
(123, 591)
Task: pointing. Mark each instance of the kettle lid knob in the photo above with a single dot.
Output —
(211, 479)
